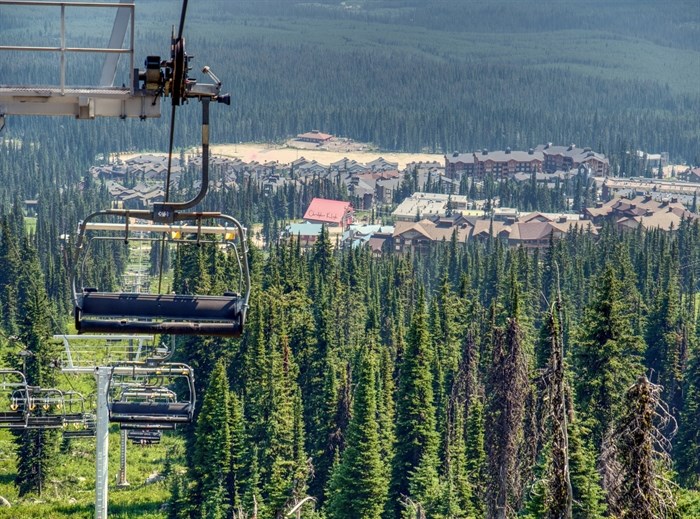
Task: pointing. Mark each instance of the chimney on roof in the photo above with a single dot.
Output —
(531, 151)
(674, 199)
(455, 154)
(485, 151)
(508, 149)
(587, 149)
(571, 146)
(598, 205)
(548, 145)
(562, 219)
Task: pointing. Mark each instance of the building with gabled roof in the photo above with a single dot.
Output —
(314, 136)
(419, 236)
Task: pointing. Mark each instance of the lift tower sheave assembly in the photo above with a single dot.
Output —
(133, 99)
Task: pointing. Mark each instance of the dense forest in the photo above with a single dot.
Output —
(466, 382)
(438, 76)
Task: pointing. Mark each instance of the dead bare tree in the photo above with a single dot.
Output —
(636, 456)
(560, 493)
(508, 386)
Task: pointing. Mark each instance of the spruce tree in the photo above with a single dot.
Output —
(359, 484)
(36, 448)
(213, 447)
(507, 388)
(637, 456)
(414, 467)
(607, 354)
(687, 447)
(475, 453)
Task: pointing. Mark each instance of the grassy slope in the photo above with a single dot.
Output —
(71, 490)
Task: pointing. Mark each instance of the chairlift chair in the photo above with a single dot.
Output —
(140, 394)
(222, 314)
(46, 408)
(74, 407)
(13, 403)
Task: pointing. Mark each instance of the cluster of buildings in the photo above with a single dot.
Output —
(424, 219)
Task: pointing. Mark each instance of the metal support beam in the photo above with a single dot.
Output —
(102, 434)
(82, 103)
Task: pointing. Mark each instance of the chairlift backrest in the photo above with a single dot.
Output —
(14, 399)
(134, 397)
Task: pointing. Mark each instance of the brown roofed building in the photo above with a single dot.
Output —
(418, 236)
(314, 136)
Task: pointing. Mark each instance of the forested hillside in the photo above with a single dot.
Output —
(440, 76)
(471, 381)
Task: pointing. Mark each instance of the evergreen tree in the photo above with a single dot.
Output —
(606, 354)
(476, 456)
(506, 389)
(213, 447)
(637, 457)
(414, 467)
(36, 448)
(687, 446)
(359, 485)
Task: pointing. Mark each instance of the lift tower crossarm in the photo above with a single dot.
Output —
(82, 102)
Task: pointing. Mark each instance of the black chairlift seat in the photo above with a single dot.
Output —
(157, 412)
(144, 436)
(37, 421)
(84, 427)
(150, 426)
(13, 420)
(133, 313)
(79, 433)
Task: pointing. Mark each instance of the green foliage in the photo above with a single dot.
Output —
(212, 455)
(607, 354)
(359, 485)
(415, 460)
(687, 445)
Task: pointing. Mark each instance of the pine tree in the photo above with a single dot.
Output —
(36, 448)
(456, 499)
(476, 456)
(507, 388)
(239, 450)
(588, 495)
(687, 448)
(359, 484)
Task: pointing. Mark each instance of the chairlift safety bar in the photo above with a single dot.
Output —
(165, 228)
